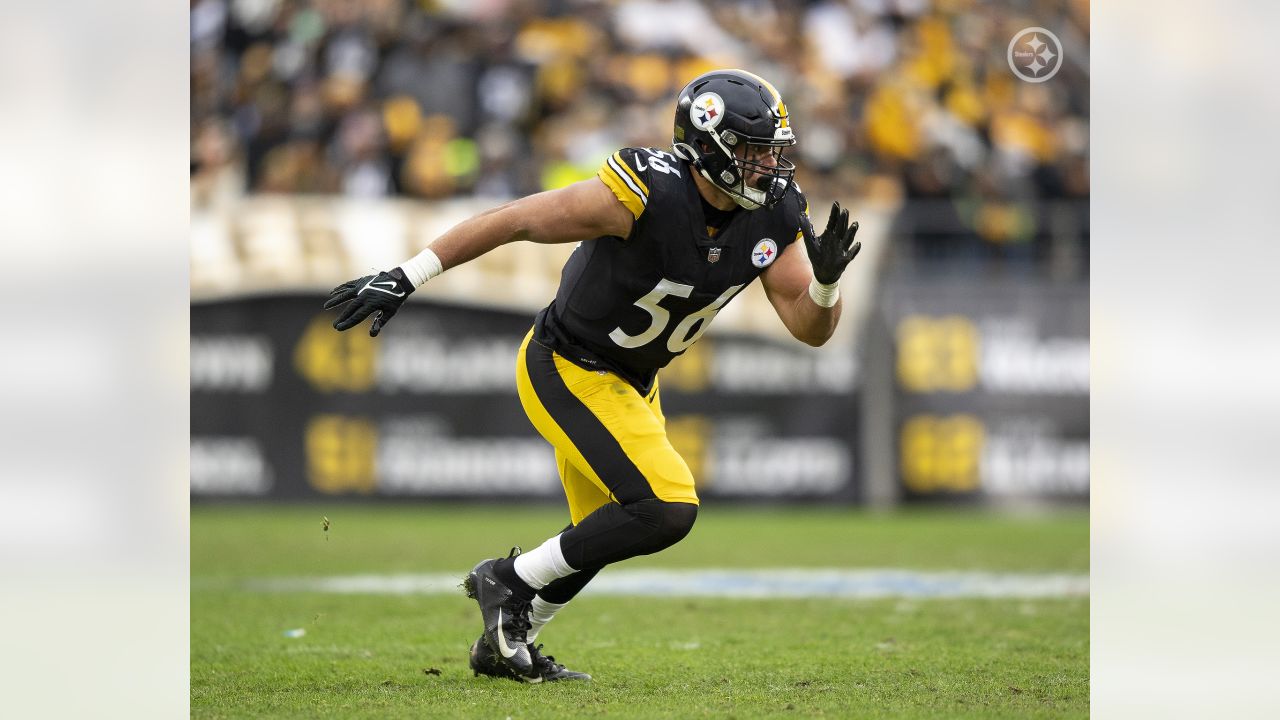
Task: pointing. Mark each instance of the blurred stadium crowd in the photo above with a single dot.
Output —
(909, 103)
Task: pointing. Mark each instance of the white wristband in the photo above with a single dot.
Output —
(422, 267)
(824, 295)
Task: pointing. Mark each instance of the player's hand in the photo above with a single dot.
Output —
(379, 295)
(834, 249)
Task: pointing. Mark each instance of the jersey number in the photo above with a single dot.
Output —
(684, 333)
(657, 162)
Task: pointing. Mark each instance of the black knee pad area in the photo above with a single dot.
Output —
(670, 521)
(617, 532)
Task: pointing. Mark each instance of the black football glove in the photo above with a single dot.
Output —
(830, 253)
(380, 295)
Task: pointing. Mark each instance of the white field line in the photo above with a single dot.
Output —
(756, 583)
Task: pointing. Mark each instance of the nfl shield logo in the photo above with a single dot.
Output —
(713, 254)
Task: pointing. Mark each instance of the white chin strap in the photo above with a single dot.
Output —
(751, 197)
(748, 198)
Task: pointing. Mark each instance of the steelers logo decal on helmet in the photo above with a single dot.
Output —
(707, 111)
(764, 253)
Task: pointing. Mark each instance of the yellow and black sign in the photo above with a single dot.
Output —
(341, 454)
(990, 387)
(332, 361)
(941, 453)
(937, 354)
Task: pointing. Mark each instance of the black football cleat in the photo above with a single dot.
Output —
(506, 618)
(484, 661)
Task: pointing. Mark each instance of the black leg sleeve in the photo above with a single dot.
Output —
(563, 590)
(617, 532)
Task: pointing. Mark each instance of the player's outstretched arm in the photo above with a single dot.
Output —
(804, 285)
(581, 211)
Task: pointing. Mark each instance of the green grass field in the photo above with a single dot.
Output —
(376, 655)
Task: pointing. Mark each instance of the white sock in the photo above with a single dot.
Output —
(543, 564)
(540, 613)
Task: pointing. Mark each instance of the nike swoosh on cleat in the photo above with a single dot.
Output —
(502, 639)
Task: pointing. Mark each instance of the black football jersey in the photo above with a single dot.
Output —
(630, 305)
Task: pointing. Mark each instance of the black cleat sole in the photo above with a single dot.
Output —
(483, 660)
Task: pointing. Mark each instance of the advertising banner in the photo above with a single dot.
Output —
(283, 406)
(991, 389)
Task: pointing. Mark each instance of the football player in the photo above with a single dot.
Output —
(666, 239)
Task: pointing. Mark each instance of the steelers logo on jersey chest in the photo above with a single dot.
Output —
(764, 253)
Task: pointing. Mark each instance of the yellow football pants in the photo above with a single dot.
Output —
(611, 442)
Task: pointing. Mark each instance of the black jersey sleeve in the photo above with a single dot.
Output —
(628, 177)
(639, 177)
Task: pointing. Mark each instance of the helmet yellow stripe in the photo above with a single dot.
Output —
(777, 98)
(778, 105)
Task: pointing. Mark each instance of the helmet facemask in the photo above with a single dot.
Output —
(741, 170)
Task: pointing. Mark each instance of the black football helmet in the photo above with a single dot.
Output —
(721, 110)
